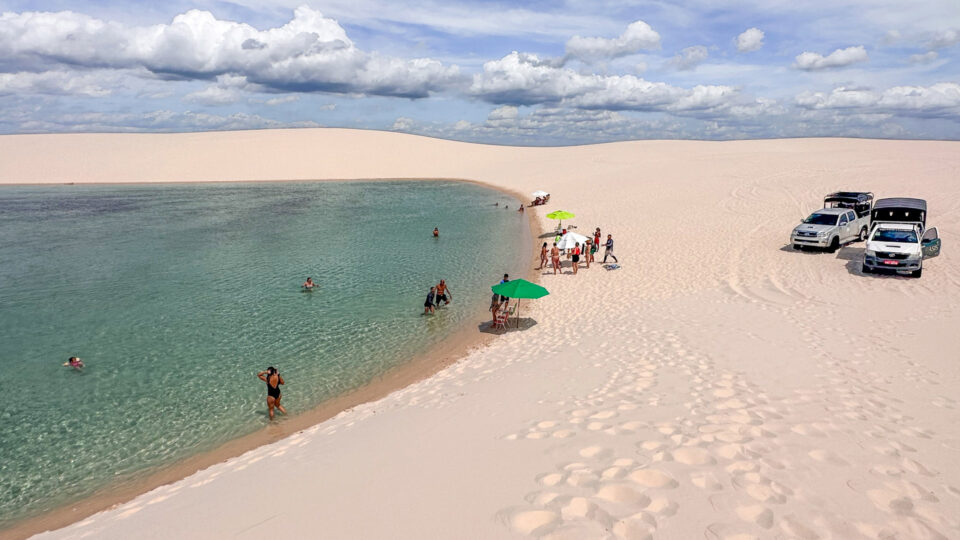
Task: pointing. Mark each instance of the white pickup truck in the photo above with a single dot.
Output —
(845, 218)
(899, 241)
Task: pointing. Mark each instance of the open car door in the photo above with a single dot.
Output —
(930, 243)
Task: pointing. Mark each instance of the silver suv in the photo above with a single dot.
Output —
(830, 228)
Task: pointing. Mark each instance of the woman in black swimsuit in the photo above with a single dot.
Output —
(273, 379)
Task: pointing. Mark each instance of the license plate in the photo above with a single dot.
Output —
(891, 263)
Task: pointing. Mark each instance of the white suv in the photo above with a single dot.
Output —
(899, 242)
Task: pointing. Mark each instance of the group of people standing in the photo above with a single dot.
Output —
(587, 251)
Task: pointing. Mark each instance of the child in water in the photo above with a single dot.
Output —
(74, 362)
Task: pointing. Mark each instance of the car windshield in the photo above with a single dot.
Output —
(893, 235)
(821, 219)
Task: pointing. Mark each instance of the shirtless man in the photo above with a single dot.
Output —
(442, 291)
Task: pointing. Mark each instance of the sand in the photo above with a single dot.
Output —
(717, 385)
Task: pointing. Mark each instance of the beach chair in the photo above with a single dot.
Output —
(501, 320)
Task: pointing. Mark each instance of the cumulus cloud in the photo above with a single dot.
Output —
(938, 100)
(61, 83)
(638, 36)
(309, 53)
(924, 58)
(523, 79)
(945, 38)
(810, 61)
(229, 89)
(689, 58)
(750, 40)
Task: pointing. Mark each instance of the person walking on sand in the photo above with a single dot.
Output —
(576, 257)
(273, 379)
(543, 257)
(555, 258)
(596, 238)
(588, 251)
(608, 250)
(442, 291)
(431, 300)
(436, 232)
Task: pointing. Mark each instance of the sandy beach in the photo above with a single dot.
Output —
(718, 385)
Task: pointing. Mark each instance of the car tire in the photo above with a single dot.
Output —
(865, 269)
(917, 273)
(834, 245)
(863, 235)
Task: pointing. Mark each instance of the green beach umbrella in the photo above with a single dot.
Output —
(561, 215)
(519, 288)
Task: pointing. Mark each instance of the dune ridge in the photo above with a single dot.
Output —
(719, 384)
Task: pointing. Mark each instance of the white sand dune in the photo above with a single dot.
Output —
(718, 385)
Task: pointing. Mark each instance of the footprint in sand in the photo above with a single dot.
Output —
(653, 478)
(756, 513)
(826, 456)
(693, 455)
(533, 522)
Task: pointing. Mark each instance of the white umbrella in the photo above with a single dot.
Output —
(569, 240)
(540, 193)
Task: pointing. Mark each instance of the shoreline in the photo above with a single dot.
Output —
(422, 366)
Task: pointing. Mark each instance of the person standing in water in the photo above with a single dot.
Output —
(273, 379)
(431, 300)
(436, 232)
(543, 256)
(309, 284)
(442, 291)
(555, 258)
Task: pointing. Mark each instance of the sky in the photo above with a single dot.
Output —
(524, 73)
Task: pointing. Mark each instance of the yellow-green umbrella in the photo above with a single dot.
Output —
(561, 215)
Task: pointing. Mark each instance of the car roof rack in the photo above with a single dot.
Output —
(855, 196)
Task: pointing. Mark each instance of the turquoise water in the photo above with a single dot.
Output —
(175, 296)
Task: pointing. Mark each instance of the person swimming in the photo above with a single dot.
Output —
(309, 284)
(436, 232)
(273, 379)
(74, 362)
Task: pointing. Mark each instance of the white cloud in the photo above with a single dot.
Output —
(229, 89)
(938, 100)
(750, 40)
(638, 36)
(810, 61)
(53, 83)
(924, 58)
(689, 58)
(309, 53)
(945, 38)
(402, 124)
(153, 121)
(282, 100)
(523, 79)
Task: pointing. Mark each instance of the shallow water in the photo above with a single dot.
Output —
(175, 296)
